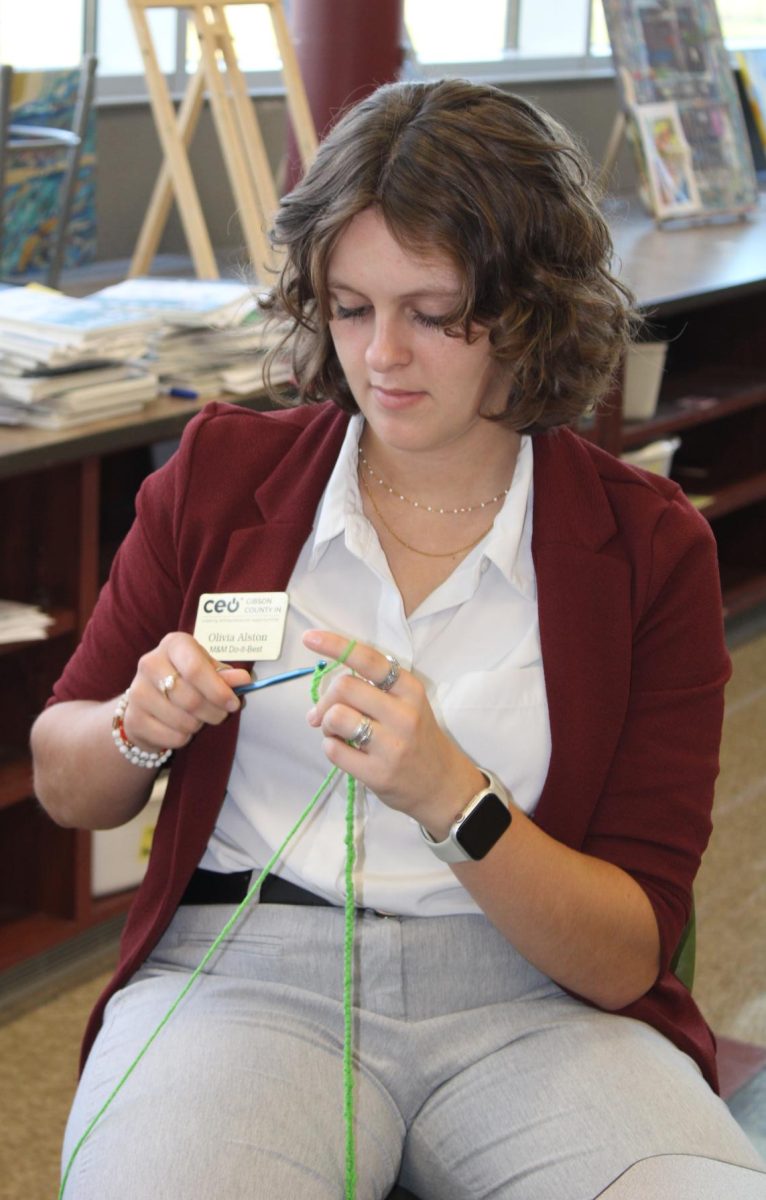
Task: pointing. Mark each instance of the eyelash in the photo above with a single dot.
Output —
(356, 314)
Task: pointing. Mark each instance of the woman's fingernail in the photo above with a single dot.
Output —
(312, 639)
(311, 716)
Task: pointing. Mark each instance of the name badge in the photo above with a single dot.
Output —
(242, 626)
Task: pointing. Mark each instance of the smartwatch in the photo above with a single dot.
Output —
(474, 832)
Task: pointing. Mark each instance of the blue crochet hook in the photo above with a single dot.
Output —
(270, 679)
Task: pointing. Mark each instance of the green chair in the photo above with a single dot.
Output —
(685, 956)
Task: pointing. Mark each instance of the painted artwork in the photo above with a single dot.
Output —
(668, 159)
(33, 179)
(686, 121)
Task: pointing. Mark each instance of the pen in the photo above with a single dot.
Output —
(179, 393)
(262, 683)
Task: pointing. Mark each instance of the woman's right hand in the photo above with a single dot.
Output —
(178, 687)
(81, 780)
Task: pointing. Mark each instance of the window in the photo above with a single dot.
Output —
(503, 37)
(490, 38)
(58, 33)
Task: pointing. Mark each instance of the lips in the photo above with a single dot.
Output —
(395, 398)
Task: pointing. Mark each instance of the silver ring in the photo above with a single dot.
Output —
(167, 683)
(386, 684)
(362, 734)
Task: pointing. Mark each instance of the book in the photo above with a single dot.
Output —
(29, 387)
(212, 302)
(51, 317)
(140, 386)
(50, 416)
(752, 67)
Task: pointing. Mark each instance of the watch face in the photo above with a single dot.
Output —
(483, 826)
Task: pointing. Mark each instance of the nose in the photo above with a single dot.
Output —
(388, 346)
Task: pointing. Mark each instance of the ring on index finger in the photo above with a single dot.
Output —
(362, 734)
(167, 683)
(386, 684)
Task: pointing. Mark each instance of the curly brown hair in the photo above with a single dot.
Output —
(498, 186)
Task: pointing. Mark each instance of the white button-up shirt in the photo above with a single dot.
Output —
(474, 644)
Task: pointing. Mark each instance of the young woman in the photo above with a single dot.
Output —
(535, 758)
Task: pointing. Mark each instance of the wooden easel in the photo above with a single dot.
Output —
(238, 132)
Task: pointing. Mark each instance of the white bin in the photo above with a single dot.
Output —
(656, 456)
(119, 856)
(644, 364)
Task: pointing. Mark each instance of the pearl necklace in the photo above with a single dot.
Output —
(448, 512)
(407, 545)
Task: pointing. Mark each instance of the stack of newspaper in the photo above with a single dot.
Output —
(213, 338)
(65, 361)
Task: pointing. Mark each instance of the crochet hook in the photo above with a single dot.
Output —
(267, 682)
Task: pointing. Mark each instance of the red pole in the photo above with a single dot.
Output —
(345, 49)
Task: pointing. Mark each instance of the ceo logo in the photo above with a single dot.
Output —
(220, 605)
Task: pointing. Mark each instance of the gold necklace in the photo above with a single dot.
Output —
(415, 550)
(448, 512)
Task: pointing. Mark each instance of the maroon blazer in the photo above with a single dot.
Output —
(632, 644)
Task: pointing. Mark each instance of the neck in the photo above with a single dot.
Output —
(451, 479)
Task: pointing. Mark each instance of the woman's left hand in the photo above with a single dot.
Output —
(407, 759)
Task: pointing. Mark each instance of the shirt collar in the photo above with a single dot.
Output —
(508, 546)
(341, 495)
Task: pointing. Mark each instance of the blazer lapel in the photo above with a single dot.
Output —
(261, 555)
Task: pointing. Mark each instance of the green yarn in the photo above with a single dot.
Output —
(348, 1085)
(348, 996)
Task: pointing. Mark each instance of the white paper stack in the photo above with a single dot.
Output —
(42, 328)
(22, 622)
(210, 303)
(65, 361)
(79, 405)
(206, 349)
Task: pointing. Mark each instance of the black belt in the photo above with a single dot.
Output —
(215, 887)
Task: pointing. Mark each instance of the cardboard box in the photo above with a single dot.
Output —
(119, 856)
(644, 365)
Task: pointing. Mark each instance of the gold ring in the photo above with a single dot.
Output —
(167, 683)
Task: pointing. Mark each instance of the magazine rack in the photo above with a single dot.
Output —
(238, 132)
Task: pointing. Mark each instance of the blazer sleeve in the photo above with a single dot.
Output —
(653, 818)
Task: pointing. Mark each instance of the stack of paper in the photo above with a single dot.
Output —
(22, 622)
(65, 361)
(43, 328)
(214, 303)
(213, 339)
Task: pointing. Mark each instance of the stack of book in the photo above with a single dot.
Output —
(213, 338)
(65, 361)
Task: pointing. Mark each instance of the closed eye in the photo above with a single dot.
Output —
(350, 314)
(430, 322)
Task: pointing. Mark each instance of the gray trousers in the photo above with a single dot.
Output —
(476, 1076)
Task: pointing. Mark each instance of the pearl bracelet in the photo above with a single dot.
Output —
(139, 758)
